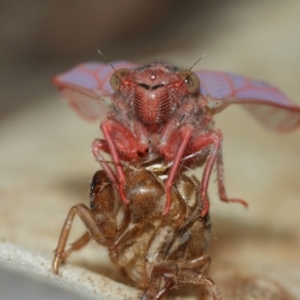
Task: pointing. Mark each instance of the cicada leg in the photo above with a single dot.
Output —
(119, 140)
(213, 139)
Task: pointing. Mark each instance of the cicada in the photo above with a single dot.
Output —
(159, 109)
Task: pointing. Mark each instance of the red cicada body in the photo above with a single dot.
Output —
(158, 109)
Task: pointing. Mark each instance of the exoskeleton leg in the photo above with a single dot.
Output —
(200, 263)
(77, 245)
(89, 221)
(164, 291)
(187, 276)
(163, 278)
(168, 275)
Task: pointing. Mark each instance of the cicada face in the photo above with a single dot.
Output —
(155, 91)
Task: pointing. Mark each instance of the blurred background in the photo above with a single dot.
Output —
(45, 158)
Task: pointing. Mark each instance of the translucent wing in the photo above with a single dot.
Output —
(86, 88)
(264, 101)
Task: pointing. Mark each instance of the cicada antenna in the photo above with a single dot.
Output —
(106, 59)
(196, 62)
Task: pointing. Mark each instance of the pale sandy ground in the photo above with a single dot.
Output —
(46, 167)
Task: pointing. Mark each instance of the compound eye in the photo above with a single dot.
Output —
(191, 81)
(116, 78)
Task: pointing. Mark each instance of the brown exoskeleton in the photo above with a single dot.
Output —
(159, 253)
